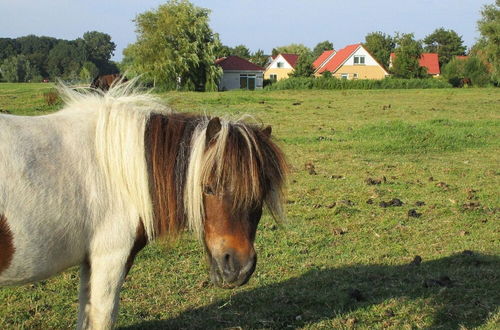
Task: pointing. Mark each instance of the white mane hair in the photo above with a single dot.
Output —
(119, 141)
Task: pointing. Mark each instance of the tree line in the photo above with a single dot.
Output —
(36, 58)
(176, 49)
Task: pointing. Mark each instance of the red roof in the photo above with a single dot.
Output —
(339, 58)
(291, 59)
(427, 60)
(322, 58)
(237, 63)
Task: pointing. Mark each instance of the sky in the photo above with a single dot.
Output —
(257, 24)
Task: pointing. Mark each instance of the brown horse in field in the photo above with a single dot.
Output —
(104, 82)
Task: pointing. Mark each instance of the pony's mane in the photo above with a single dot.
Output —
(159, 161)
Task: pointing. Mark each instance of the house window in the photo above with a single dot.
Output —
(359, 59)
(344, 75)
(354, 76)
(247, 81)
(280, 65)
(273, 77)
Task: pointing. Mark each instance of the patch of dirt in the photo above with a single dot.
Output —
(372, 181)
(470, 206)
(355, 294)
(385, 107)
(309, 167)
(419, 203)
(443, 185)
(324, 138)
(336, 177)
(392, 202)
(416, 261)
(338, 231)
(443, 281)
(414, 214)
(347, 202)
(369, 201)
(296, 103)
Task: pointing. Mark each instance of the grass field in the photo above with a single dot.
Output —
(346, 258)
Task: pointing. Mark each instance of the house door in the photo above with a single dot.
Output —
(247, 81)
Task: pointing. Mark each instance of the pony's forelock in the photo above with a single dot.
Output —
(240, 159)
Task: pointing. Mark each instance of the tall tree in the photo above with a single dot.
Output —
(304, 67)
(407, 55)
(321, 47)
(259, 58)
(380, 45)
(489, 27)
(63, 60)
(175, 47)
(446, 43)
(19, 69)
(298, 49)
(98, 49)
(241, 51)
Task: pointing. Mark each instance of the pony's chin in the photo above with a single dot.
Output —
(218, 281)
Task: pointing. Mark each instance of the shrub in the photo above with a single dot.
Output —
(334, 83)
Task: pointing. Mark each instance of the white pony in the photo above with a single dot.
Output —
(91, 184)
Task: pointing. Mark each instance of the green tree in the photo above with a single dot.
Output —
(88, 71)
(19, 69)
(321, 47)
(380, 45)
(98, 48)
(303, 67)
(298, 49)
(407, 54)
(241, 51)
(489, 27)
(446, 43)
(259, 58)
(175, 47)
(63, 60)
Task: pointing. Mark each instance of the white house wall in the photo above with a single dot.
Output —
(279, 58)
(369, 60)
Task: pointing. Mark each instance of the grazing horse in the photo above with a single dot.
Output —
(92, 184)
(105, 82)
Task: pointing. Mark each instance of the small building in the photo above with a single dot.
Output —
(428, 60)
(351, 62)
(281, 66)
(239, 73)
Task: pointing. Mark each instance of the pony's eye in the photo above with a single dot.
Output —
(208, 190)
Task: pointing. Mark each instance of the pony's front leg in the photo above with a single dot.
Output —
(84, 298)
(107, 273)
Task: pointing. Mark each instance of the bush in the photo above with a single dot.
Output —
(334, 83)
(470, 71)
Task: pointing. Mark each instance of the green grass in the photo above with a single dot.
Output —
(438, 146)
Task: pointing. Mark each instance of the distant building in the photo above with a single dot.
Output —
(430, 61)
(350, 62)
(280, 66)
(239, 73)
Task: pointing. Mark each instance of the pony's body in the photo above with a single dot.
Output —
(91, 184)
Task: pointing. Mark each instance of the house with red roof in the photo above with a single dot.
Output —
(351, 62)
(281, 66)
(239, 73)
(428, 60)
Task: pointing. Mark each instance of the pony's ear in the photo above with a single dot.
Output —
(267, 131)
(213, 128)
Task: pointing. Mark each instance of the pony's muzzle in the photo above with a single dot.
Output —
(230, 270)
